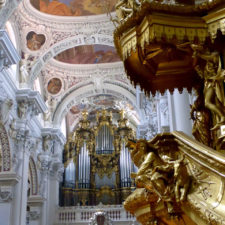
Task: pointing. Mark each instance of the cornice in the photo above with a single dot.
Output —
(32, 96)
(55, 132)
(9, 178)
(7, 49)
(86, 70)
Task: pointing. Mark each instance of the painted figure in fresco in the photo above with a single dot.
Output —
(213, 77)
(54, 86)
(34, 41)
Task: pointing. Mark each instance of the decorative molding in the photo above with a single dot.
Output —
(33, 99)
(63, 45)
(35, 200)
(6, 194)
(6, 154)
(7, 11)
(68, 23)
(8, 53)
(34, 215)
(9, 178)
(86, 89)
(34, 177)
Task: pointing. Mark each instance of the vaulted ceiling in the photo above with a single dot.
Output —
(70, 51)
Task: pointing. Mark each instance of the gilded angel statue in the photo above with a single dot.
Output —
(213, 77)
(159, 173)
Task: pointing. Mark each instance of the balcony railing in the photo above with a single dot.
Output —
(83, 214)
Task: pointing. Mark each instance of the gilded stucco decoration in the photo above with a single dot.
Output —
(185, 163)
(99, 146)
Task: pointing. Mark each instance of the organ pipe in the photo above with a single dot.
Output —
(125, 166)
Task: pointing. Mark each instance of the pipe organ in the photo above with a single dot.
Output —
(97, 162)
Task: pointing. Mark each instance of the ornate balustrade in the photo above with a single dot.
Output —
(83, 214)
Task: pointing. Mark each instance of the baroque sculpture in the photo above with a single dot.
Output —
(213, 76)
(23, 72)
(22, 109)
(158, 173)
(202, 120)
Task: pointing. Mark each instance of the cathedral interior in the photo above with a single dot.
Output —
(112, 112)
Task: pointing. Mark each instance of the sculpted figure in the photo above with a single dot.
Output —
(153, 174)
(47, 143)
(22, 109)
(23, 72)
(125, 8)
(213, 75)
(5, 108)
(158, 173)
(202, 121)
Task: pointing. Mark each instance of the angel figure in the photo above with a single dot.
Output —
(153, 174)
(213, 77)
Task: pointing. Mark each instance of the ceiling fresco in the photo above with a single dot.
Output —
(74, 7)
(35, 41)
(95, 103)
(89, 54)
(54, 86)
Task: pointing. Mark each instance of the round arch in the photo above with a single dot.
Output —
(75, 94)
(63, 45)
(33, 177)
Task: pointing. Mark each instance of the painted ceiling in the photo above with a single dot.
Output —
(69, 80)
(89, 54)
(74, 7)
(96, 103)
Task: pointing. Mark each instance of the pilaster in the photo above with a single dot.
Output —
(8, 181)
(51, 171)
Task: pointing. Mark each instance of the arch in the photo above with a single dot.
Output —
(76, 93)
(5, 149)
(7, 11)
(63, 45)
(33, 177)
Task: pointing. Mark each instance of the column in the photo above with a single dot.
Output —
(179, 112)
(52, 170)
